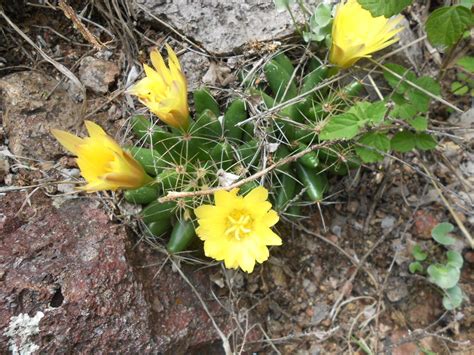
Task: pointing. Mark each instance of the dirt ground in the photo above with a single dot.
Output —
(340, 282)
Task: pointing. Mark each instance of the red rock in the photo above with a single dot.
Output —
(469, 257)
(413, 347)
(80, 284)
(424, 223)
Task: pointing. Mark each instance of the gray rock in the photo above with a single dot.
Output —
(35, 104)
(222, 26)
(194, 65)
(4, 168)
(98, 74)
(413, 54)
(396, 289)
(320, 312)
(388, 222)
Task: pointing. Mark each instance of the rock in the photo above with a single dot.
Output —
(98, 75)
(396, 289)
(424, 223)
(412, 347)
(31, 116)
(412, 55)
(194, 66)
(82, 284)
(320, 312)
(464, 124)
(223, 26)
(388, 222)
(4, 168)
(278, 276)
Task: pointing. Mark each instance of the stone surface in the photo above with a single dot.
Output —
(98, 75)
(81, 284)
(413, 347)
(412, 55)
(223, 26)
(195, 67)
(396, 289)
(425, 221)
(28, 116)
(4, 167)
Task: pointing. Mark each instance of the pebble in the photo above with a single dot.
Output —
(98, 75)
(4, 168)
(396, 289)
(388, 222)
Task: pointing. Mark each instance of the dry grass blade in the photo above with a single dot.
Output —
(460, 224)
(88, 36)
(65, 71)
(426, 92)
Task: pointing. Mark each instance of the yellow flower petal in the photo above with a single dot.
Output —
(164, 90)
(357, 34)
(259, 194)
(270, 219)
(103, 164)
(236, 229)
(94, 129)
(67, 140)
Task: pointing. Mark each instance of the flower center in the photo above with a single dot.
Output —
(239, 224)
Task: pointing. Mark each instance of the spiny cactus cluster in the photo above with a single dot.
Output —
(219, 149)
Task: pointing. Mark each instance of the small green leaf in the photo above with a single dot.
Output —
(467, 3)
(405, 111)
(452, 298)
(403, 141)
(418, 253)
(424, 141)
(415, 267)
(282, 5)
(466, 62)
(378, 141)
(386, 8)
(459, 89)
(454, 259)
(322, 16)
(367, 111)
(368, 155)
(446, 25)
(418, 98)
(427, 351)
(345, 125)
(440, 233)
(400, 85)
(419, 123)
(444, 276)
(376, 112)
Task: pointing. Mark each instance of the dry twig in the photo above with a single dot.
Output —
(88, 36)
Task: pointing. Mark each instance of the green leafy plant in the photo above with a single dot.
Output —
(371, 124)
(446, 25)
(464, 83)
(385, 8)
(444, 275)
(319, 24)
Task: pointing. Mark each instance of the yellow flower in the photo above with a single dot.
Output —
(103, 164)
(164, 90)
(356, 34)
(237, 229)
